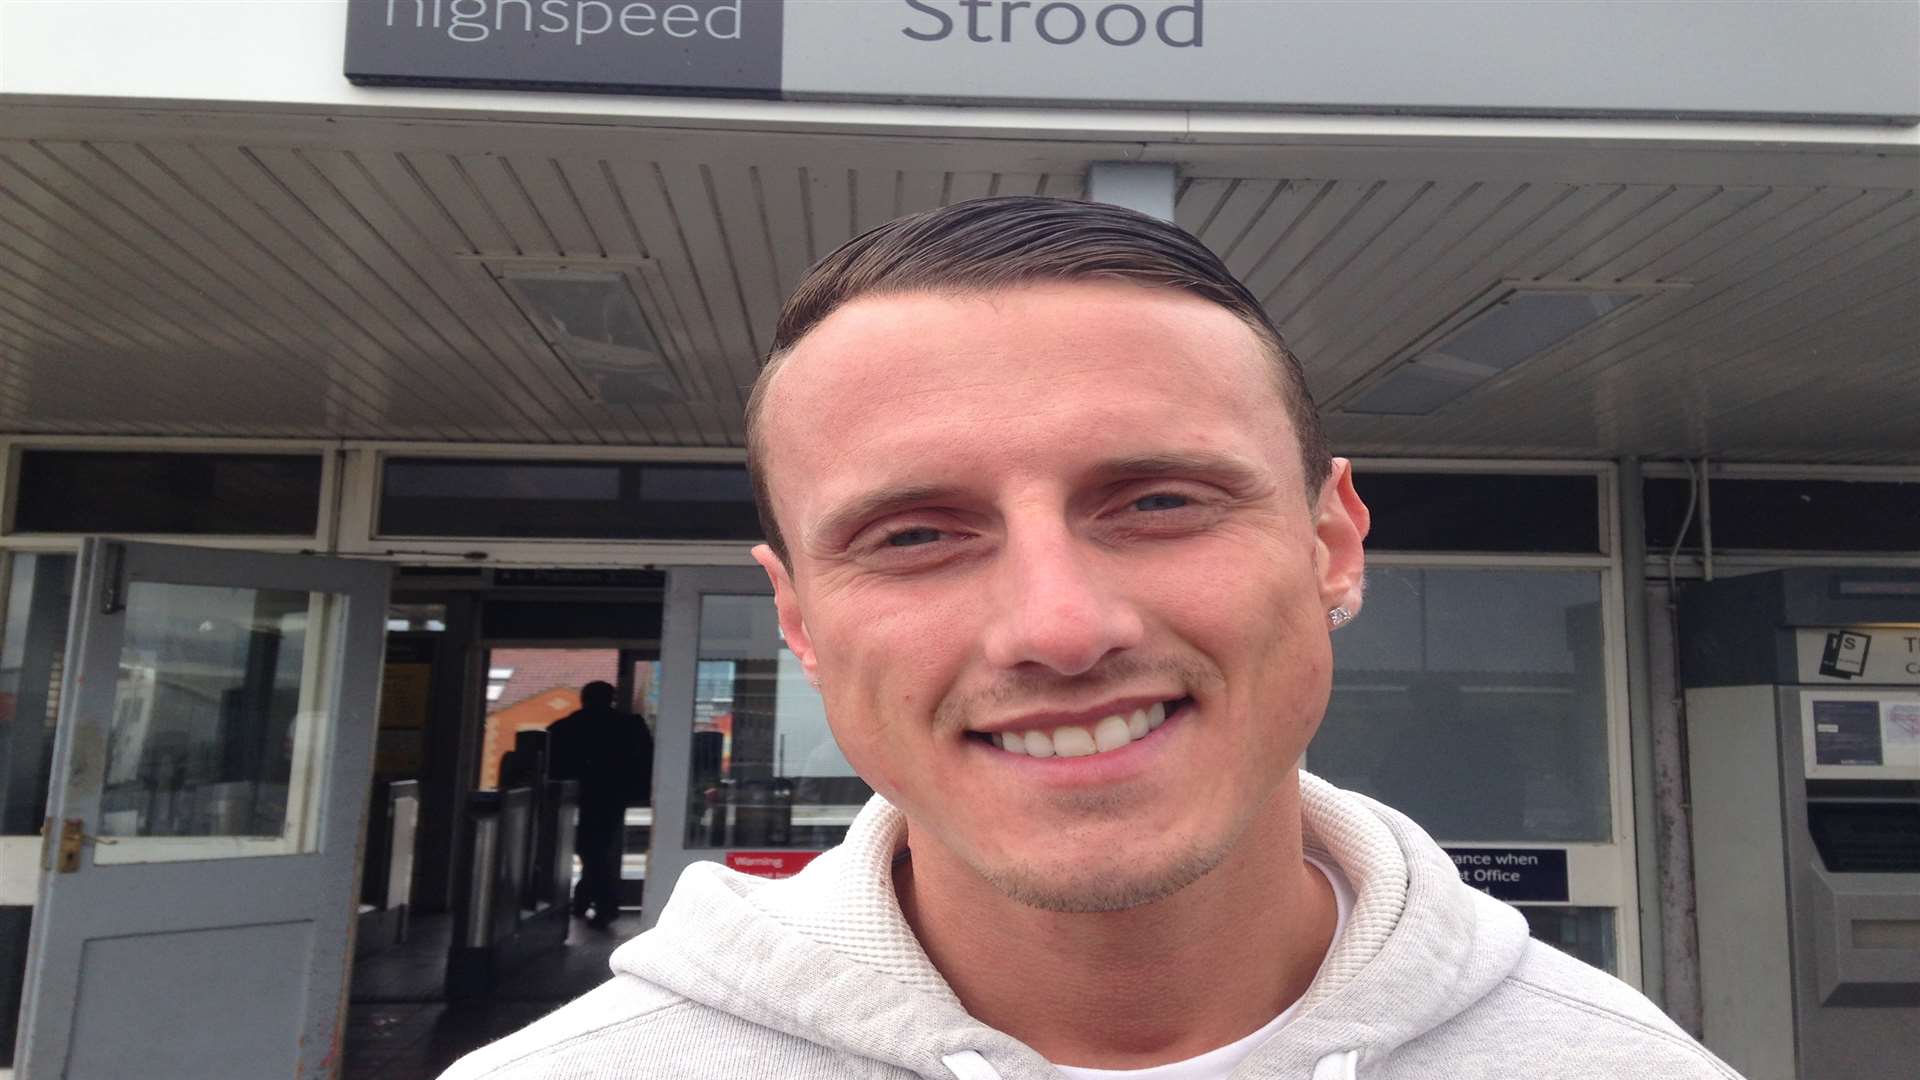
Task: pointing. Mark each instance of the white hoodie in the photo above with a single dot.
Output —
(818, 976)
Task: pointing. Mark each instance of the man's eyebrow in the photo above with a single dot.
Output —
(1232, 469)
(849, 515)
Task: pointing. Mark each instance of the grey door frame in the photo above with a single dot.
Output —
(673, 728)
(121, 900)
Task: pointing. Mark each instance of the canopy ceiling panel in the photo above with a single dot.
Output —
(339, 277)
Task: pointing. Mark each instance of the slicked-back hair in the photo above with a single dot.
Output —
(985, 245)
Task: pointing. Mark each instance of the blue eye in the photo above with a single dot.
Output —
(1160, 502)
(913, 537)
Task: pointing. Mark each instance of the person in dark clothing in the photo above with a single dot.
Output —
(611, 754)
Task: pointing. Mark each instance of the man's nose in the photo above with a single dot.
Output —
(1057, 606)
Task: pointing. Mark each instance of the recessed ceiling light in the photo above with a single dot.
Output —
(1520, 323)
(593, 321)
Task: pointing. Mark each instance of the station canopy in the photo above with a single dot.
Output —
(549, 280)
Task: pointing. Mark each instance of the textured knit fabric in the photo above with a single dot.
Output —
(817, 976)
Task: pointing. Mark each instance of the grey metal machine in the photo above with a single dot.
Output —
(1803, 725)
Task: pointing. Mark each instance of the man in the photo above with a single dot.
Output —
(1052, 524)
(611, 754)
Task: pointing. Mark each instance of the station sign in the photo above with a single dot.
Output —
(1523, 875)
(1787, 59)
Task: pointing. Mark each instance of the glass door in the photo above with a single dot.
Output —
(211, 767)
(746, 772)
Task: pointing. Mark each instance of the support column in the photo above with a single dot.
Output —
(1146, 186)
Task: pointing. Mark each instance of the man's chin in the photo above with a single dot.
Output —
(1082, 890)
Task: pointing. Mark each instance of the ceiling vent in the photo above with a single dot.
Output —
(592, 319)
(1501, 330)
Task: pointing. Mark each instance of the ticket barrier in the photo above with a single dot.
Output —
(517, 872)
(386, 877)
(1803, 721)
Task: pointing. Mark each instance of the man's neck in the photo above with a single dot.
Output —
(1153, 984)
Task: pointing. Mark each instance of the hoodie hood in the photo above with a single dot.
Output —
(833, 961)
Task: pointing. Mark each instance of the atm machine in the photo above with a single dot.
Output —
(1803, 727)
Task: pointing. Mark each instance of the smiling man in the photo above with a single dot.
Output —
(1052, 525)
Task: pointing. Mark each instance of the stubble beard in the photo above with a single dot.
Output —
(1046, 885)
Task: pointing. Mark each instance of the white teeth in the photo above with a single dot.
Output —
(1111, 734)
(1073, 740)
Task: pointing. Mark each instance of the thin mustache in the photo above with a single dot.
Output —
(1029, 687)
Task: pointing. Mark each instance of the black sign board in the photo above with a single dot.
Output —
(712, 47)
(1522, 874)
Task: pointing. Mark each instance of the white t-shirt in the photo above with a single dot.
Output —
(1216, 1064)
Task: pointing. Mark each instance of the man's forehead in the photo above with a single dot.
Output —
(909, 384)
(892, 336)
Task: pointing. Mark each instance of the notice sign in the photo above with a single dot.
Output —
(1846, 733)
(1861, 734)
(770, 864)
(1520, 874)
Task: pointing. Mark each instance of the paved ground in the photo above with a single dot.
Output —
(401, 1027)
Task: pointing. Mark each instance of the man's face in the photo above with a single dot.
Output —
(1016, 515)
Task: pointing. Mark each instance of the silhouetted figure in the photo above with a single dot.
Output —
(611, 754)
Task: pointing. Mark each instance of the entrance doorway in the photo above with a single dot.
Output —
(480, 665)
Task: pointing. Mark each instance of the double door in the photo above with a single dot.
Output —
(212, 758)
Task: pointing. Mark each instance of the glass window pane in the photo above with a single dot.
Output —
(215, 723)
(528, 689)
(766, 771)
(1584, 933)
(1481, 512)
(1789, 515)
(15, 922)
(566, 500)
(86, 491)
(1475, 702)
(33, 649)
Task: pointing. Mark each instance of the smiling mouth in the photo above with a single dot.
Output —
(1083, 740)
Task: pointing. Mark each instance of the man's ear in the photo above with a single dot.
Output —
(787, 603)
(1340, 523)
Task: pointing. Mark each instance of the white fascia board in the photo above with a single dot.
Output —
(288, 56)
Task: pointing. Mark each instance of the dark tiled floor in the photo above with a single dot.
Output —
(401, 1027)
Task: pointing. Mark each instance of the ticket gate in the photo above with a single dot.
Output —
(1803, 720)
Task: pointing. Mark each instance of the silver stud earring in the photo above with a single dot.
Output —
(1339, 617)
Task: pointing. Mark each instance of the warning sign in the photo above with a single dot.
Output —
(770, 864)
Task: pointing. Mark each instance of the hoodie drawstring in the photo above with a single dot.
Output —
(969, 1065)
(1344, 1065)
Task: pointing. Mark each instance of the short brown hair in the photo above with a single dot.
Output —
(987, 244)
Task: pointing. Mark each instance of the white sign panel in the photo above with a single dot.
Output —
(1859, 656)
